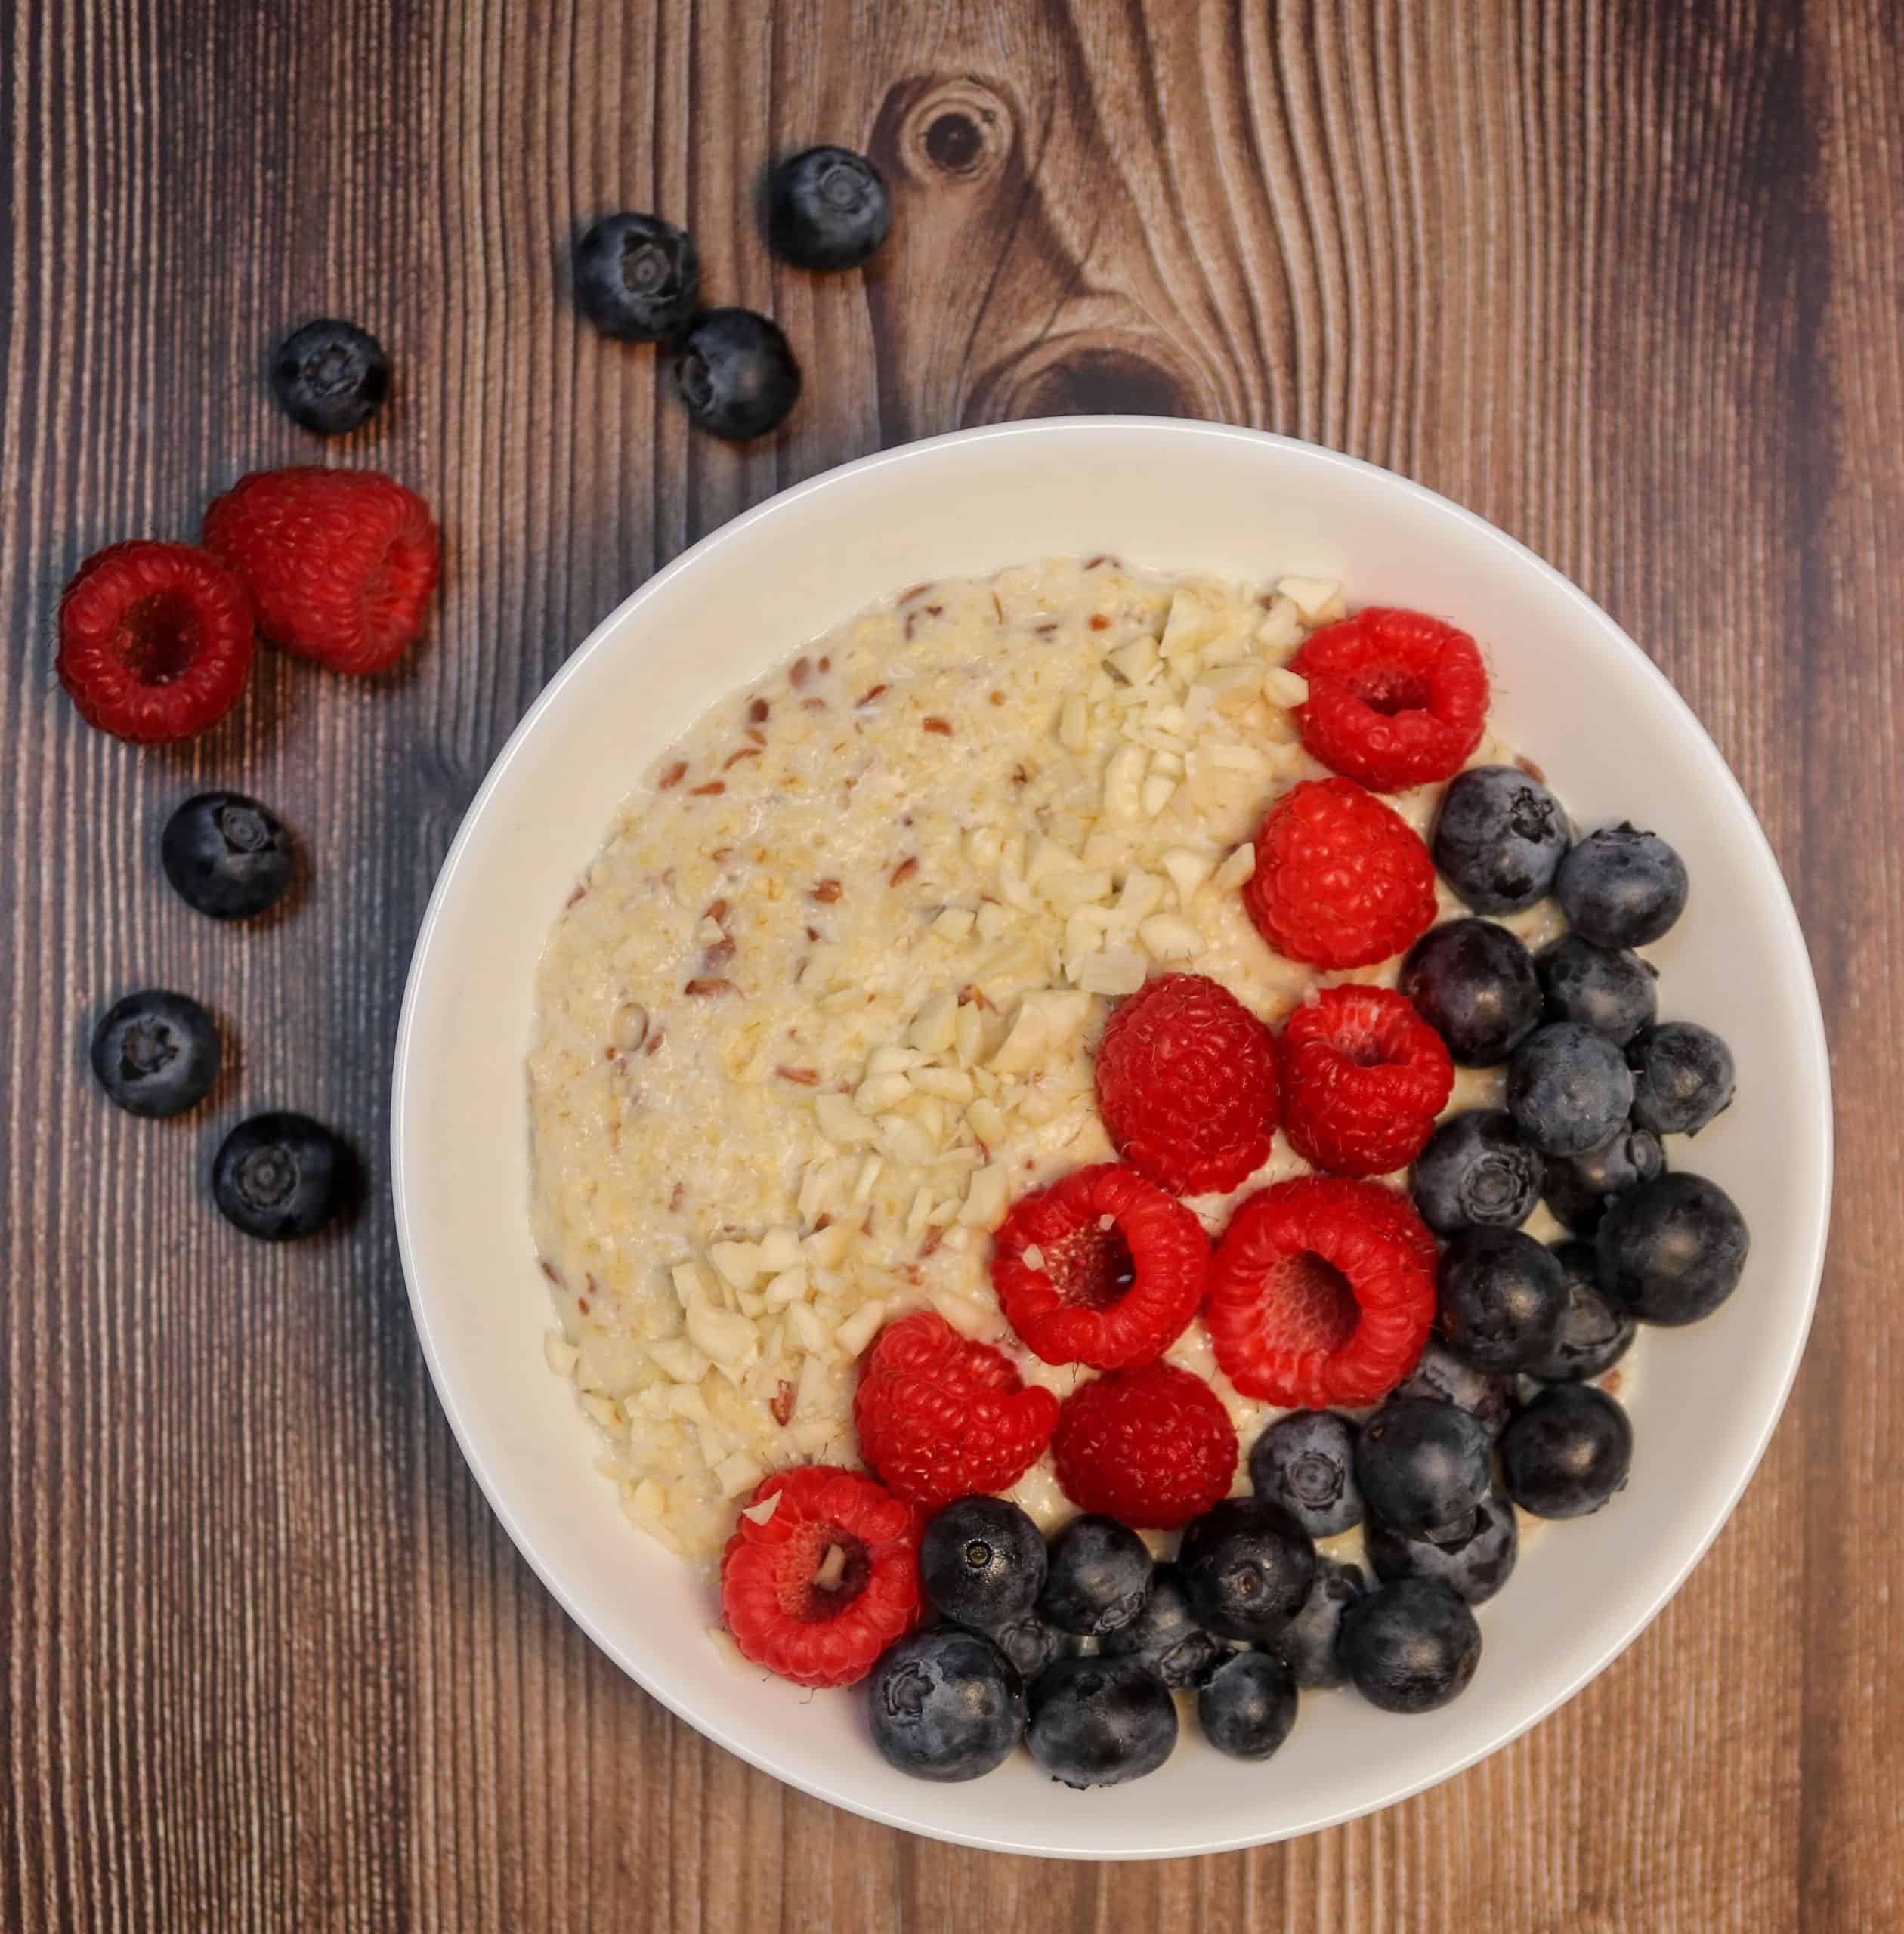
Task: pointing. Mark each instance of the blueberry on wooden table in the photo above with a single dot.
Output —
(280, 1176)
(827, 208)
(156, 1053)
(330, 376)
(226, 855)
(637, 277)
(736, 374)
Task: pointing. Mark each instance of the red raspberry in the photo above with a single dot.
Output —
(798, 1610)
(340, 562)
(1396, 699)
(1152, 1447)
(155, 641)
(1186, 1082)
(939, 1416)
(1363, 1077)
(1119, 1270)
(1341, 880)
(1321, 1292)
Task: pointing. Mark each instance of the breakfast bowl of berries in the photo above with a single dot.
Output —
(1111, 1137)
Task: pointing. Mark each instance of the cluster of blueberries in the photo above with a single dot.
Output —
(156, 1054)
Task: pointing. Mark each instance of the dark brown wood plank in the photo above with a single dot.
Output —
(1621, 275)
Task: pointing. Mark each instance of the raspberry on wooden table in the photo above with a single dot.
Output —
(818, 1588)
(1151, 1447)
(1341, 880)
(1363, 1077)
(1186, 1083)
(340, 563)
(1321, 1293)
(156, 641)
(941, 1416)
(1101, 1268)
(1396, 699)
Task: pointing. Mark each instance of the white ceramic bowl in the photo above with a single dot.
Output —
(1571, 690)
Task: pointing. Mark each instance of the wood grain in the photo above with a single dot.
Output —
(1623, 275)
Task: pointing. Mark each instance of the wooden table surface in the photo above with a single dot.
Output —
(1624, 276)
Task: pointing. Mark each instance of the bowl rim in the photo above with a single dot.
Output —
(1817, 1188)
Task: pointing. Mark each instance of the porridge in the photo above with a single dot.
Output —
(824, 1005)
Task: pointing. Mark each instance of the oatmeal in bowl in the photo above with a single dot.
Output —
(1109, 1148)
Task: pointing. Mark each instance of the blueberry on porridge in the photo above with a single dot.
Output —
(1039, 1114)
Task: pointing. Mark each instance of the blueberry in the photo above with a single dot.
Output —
(1568, 1088)
(1476, 1170)
(1594, 1335)
(946, 1705)
(1031, 1644)
(736, 374)
(1606, 989)
(1501, 1298)
(982, 1562)
(1411, 1646)
(280, 1175)
(1098, 1575)
(1247, 1566)
(1498, 839)
(1247, 1706)
(1487, 1396)
(1622, 888)
(1672, 1250)
(1100, 1721)
(1474, 983)
(1568, 1452)
(1305, 1463)
(1308, 1645)
(637, 277)
(827, 208)
(225, 855)
(330, 376)
(1166, 1636)
(1423, 1466)
(156, 1053)
(1682, 1076)
(1578, 1187)
(1475, 1566)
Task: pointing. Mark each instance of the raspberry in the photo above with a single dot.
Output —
(1340, 879)
(155, 641)
(1186, 1082)
(1321, 1293)
(340, 562)
(1119, 1268)
(1395, 699)
(941, 1417)
(1363, 1077)
(1151, 1447)
(817, 1590)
